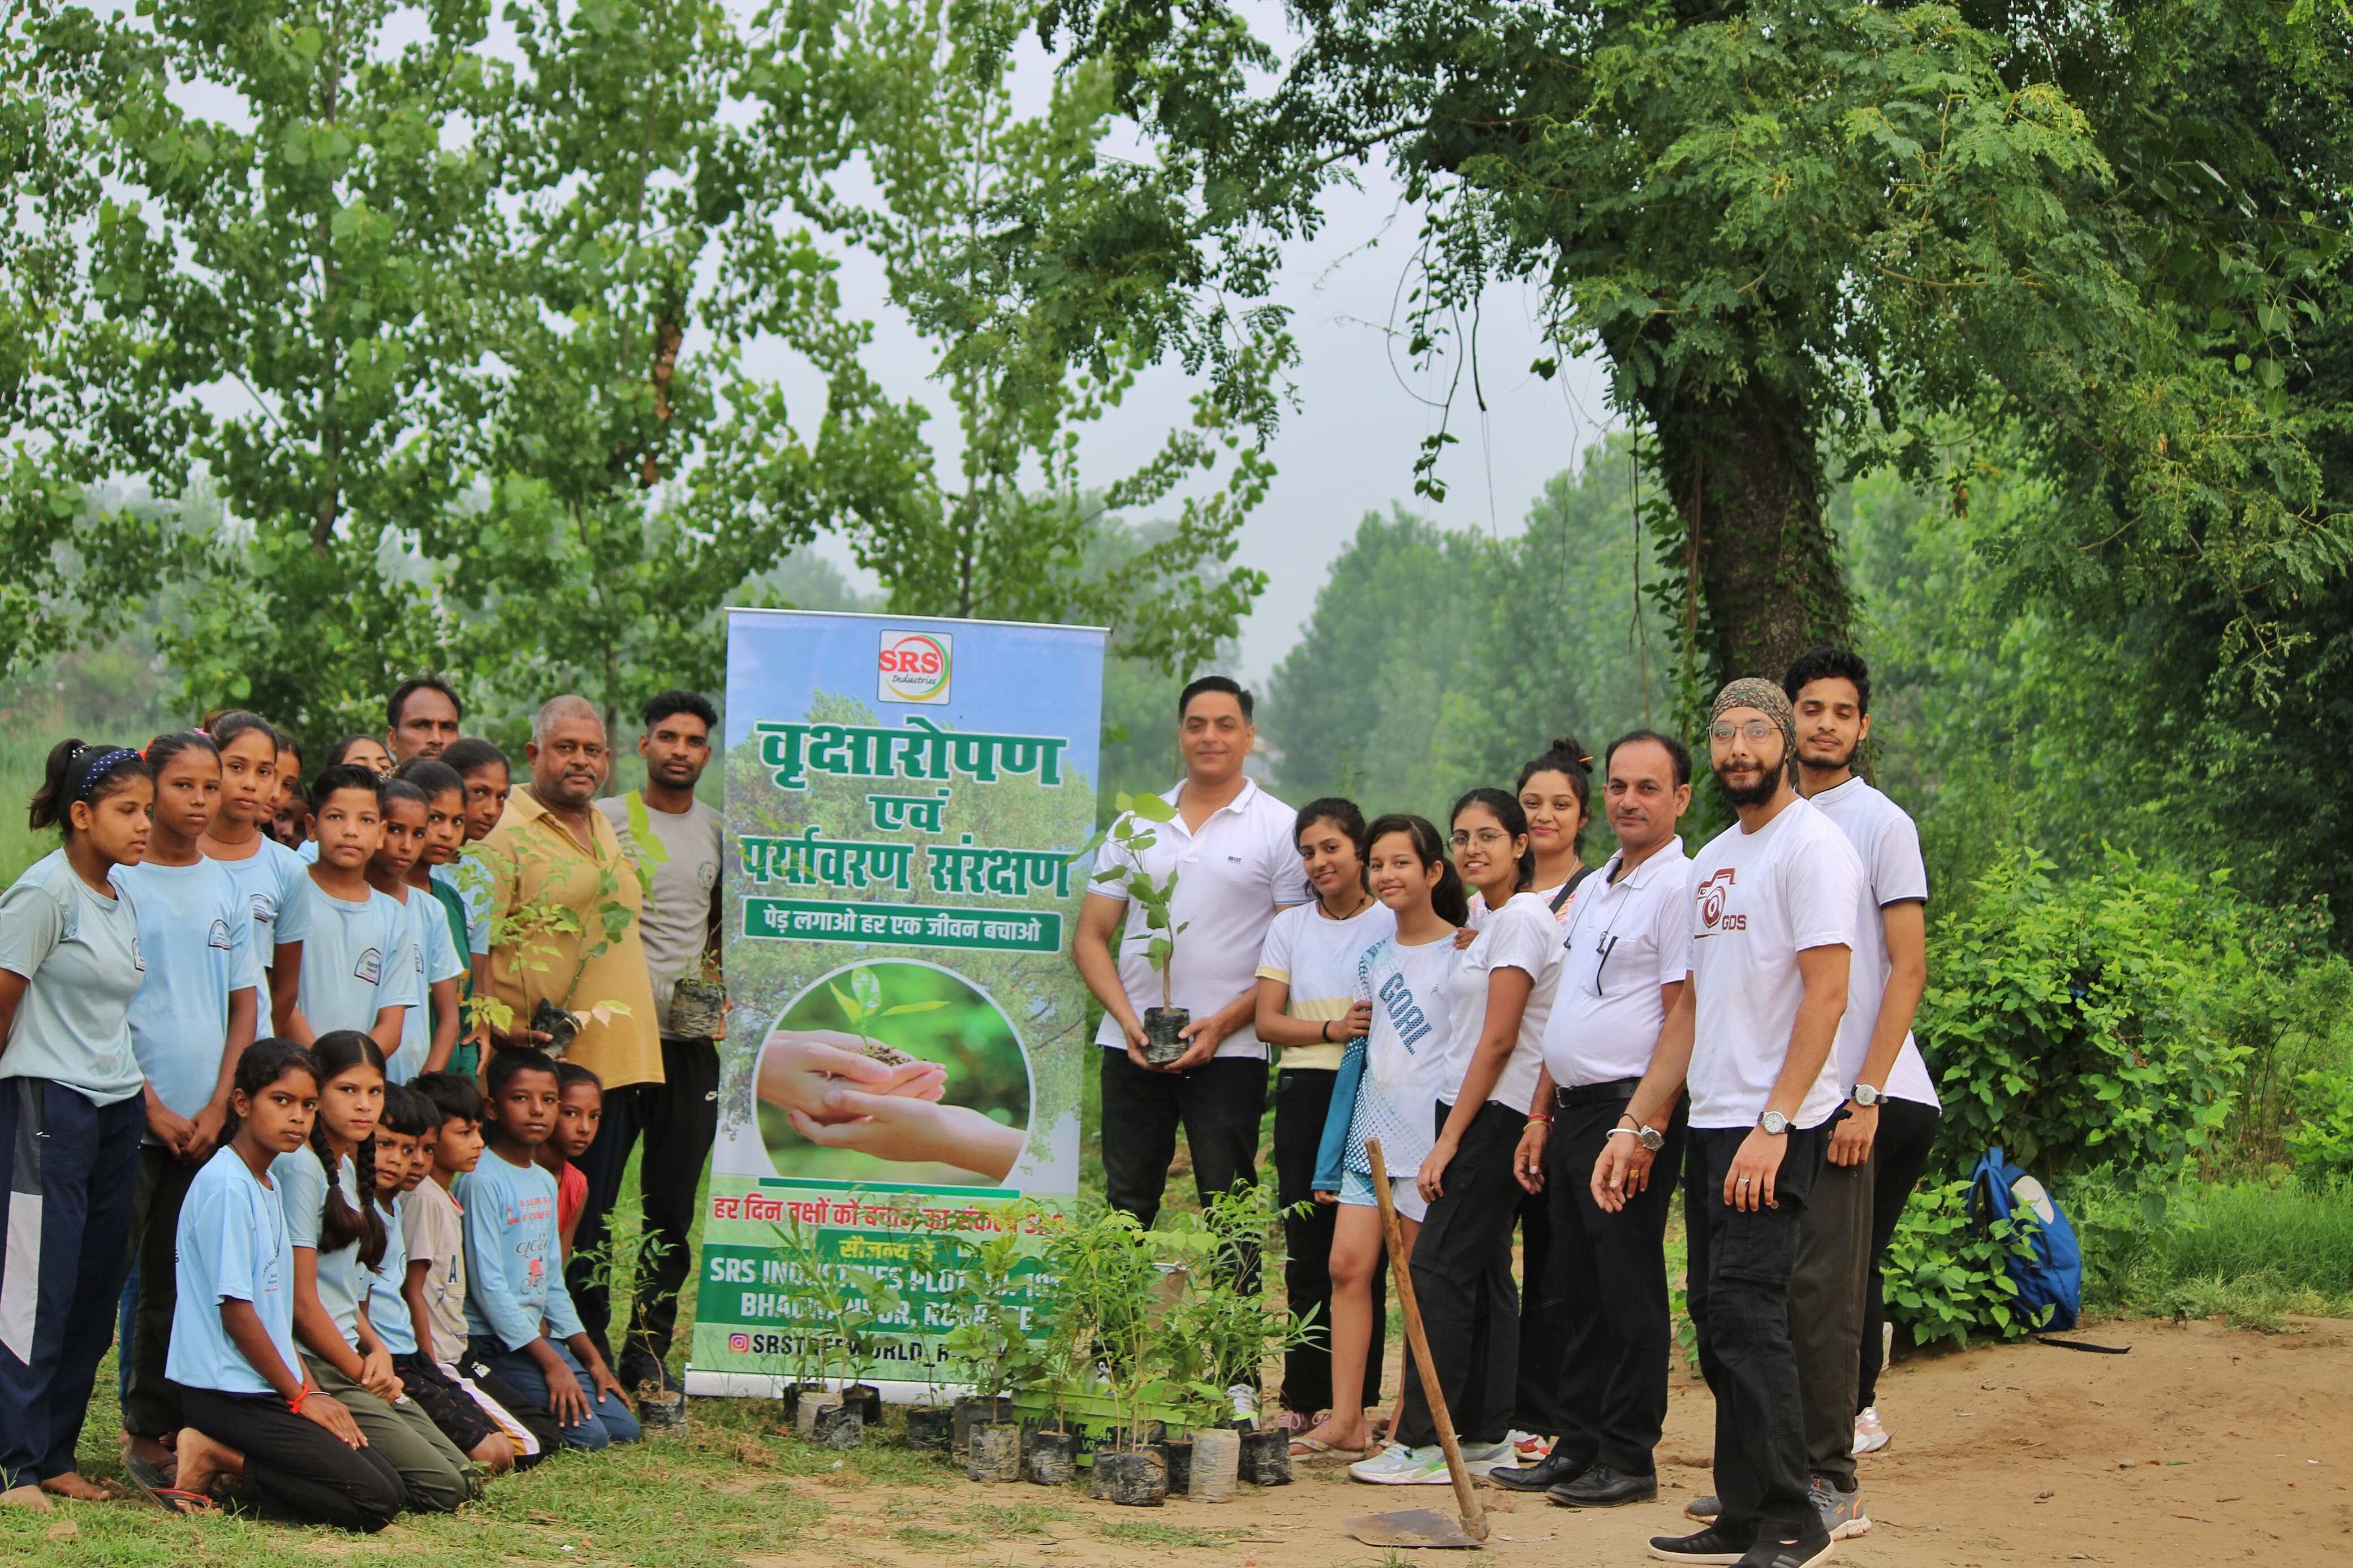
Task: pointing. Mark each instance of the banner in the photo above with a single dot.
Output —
(902, 799)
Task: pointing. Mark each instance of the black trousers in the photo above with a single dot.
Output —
(1609, 1274)
(1899, 1157)
(1303, 1097)
(1462, 1282)
(296, 1467)
(678, 1119)
(1739, 1294)
(151, 1402)
(1220, 1103)
(1544, 1320)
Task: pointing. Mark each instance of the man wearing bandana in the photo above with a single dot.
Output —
(1773, 916)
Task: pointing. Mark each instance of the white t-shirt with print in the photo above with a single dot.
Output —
(1405, 1050)
(1889, 846)
(1623, 942)
(1757, 899)
(1231, 877)
(1521, 935)
(1317, 957)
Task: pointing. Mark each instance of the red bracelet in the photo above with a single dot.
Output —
(294, 1405)
(1540, 1116)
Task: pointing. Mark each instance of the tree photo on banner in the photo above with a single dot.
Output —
(904, 801)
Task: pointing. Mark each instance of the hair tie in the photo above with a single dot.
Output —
(93, 775)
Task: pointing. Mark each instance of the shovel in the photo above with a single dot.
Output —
(1419, 1526)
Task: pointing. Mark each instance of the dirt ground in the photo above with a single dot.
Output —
(2204, 1445)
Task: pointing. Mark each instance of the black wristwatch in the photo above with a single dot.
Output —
(1774, 1124)
(1866, 1096)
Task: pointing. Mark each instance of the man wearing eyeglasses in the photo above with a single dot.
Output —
(1773, 905)
(1627, 950)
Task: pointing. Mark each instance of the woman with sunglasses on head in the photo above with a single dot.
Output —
(1627, 949)
(1497, 999)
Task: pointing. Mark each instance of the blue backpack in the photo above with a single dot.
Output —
(2053, 1276)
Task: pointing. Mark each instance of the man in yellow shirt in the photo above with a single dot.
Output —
(564, 928)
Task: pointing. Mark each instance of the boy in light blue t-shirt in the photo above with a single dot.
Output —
(427, 1034)
(359, 969)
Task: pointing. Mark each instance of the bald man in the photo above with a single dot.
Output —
(556, 847)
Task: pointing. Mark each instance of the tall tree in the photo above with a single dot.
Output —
(1047, 275)
(635, 470)
(286, 292)
(1801, 235)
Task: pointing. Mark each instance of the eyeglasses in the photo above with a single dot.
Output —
(1484, 838)
(1756, 729)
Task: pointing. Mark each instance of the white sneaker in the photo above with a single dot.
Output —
(1869, 1437)
(1245, 1400)
(1529, 1445)
(1480, 1457)
(1399, 1466)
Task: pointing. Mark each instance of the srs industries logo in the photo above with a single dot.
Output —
(914, 667)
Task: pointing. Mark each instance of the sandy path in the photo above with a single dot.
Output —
(2203, 1444)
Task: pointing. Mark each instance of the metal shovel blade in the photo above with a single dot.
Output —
(1414, 1527)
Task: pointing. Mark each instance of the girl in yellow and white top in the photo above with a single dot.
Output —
(1306, 978)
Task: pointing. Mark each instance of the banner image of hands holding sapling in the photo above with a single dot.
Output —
(907, 804)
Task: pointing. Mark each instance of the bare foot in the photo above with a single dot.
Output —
(29, 1497)
(204, 1464)
(75, 1487)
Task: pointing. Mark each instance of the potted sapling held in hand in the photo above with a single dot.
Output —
(1132, 834)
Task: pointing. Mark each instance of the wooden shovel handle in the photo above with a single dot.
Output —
(1466, 1498)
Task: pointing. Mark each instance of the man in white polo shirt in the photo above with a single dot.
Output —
(1626, 950)
(1880, 1145)
(1773, 927)
(1230, 848)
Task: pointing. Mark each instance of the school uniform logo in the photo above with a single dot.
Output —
(137, 961)
(218, 936)
(707, 875)
(370, 968)
(1711, 895)
(265, 908)
(914, 667)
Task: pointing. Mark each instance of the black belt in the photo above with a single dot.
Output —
(1618, 1091)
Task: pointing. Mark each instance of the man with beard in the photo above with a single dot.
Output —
(1773, 919)
(1880, 1143)
(553, 848)
(422, 718)
(680, 1116)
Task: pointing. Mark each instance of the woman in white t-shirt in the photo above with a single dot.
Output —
(1496, 1001)
(1383, 1092)
(1306, 983)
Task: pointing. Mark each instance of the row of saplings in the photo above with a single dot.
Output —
(1122, 1369)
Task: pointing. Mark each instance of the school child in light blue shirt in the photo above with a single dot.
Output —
(70, 1110)
(515, 1265)
(192, 1019)
(273, 880)
(427, 1034)
(338, 1239)
(254, 1423)
(358, 972)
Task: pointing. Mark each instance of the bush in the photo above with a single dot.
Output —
(2099, 1020)
(2320, 1142)
(2254, 1252)
(1948, 1277)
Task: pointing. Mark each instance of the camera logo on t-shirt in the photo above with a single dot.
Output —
(1712, 894)
(218, 936)
(370, 968)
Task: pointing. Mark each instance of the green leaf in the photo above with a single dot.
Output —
(867, 988)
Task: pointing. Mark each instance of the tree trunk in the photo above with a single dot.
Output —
(1745, 476)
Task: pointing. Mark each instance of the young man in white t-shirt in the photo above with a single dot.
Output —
(1230, 846)
(1773, 928)
(1881, 1143)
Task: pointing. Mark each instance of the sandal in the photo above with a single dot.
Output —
(1316, 1449)
(172, 1499)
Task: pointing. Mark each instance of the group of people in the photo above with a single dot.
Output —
(274, 1083)
(1541, 1047)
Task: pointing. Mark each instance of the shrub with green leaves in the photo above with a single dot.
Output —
(2089, 1020)
(2320, 1142)
(1948, 1277)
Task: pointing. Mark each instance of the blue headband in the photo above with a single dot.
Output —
(95, 772)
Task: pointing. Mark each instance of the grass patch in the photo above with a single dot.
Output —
(2254, 1254)
(1150, 1532)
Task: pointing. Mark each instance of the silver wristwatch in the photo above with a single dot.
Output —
(1649, 1138)
(1774, 1124)
(1866, 1096)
